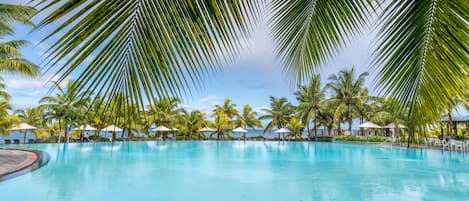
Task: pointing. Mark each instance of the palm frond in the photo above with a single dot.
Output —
(308, 33)
(19, 65)
(18, 13)
(145, 48)
(423, 54)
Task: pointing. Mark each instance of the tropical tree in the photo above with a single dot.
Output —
(66, 106)
(228, 108)
(11, 59)
(326, 116)
(192, 122)
(279, 113)
(386, 110)
(416, 42)
(348, 92)
(248, 119)
(6, 119)
(222, 123)
(33, 116)
(164, 111)
(309, 99)
(296, 128)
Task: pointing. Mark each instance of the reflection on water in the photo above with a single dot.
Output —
(239, 170)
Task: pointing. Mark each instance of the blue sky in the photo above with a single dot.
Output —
(250, 80)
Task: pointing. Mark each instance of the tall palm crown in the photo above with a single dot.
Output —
(66, 105)
(6, 119)
(247, 118)
(32, 116)
(164, 110)
(162, 47)
(309, 99)
(348, 92)
(11, 59)
(279, 113)
(192, 122)
(228, 108)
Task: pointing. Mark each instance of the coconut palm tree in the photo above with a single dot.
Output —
(309, 99)
(279, 113)
(6, 119)
(164, 47)
(192, 122)
(164, 111)
(222, 123)
(248, 119)
(347, 91)
(66, 106)
(11, 59)
(228, 108)
(296, 128)
(32, 116)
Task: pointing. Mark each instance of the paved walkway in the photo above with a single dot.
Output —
(14, 160)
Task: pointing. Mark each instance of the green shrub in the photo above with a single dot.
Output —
(360, 138)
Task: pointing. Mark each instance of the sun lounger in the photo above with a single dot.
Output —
(445, 144)
(7, 141)
(16, 141)
(30, 141)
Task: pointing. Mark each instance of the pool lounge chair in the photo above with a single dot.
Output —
(445, 144)
(455, 144)
(16, 141)
(30, 141)
(7, 141)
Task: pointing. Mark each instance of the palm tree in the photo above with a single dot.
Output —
(32, 116)
(247, 119)
(222, 123)
(6, 119)
(326, 116)
(164, 111)
(280, 113)
(310, 98)
(228, 108)
(386, 111)
(347, 92)
(296, 128)
(192, 122)
(11, 59)
(416, 42)
(65, 106)
(3, 93)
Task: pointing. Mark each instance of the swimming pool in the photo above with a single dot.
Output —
(233, 171)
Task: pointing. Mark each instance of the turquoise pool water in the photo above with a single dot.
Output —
(234, 171)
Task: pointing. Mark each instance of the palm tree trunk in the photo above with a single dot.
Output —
(338, 127)
(66, 133)
(315, 128)
(361, 122)
(350, 116)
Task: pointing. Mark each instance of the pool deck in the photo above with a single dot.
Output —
(14, 160)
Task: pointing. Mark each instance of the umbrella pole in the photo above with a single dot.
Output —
(24, 136)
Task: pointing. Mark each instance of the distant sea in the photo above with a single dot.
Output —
(251, 133)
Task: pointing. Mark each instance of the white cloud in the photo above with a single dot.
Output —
(21, 82)
(204, 104)
(37, 94)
